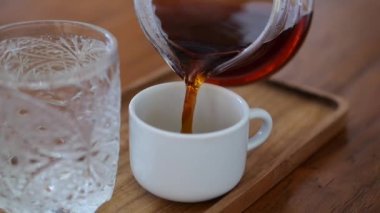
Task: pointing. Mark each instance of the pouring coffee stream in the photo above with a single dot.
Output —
(223, 42)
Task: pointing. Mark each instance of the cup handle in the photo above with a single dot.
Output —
(265, 129)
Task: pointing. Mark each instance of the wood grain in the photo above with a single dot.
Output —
(293, 139)
(340, 55)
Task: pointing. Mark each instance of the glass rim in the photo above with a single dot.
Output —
(93, 69)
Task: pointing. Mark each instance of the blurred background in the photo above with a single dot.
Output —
(344, 36)
(341, 55)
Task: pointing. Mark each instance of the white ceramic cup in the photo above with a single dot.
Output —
(191, 167)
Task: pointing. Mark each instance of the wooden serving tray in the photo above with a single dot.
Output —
(304, 119)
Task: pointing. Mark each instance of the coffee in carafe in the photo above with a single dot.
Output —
(225, 42)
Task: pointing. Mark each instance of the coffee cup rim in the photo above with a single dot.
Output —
(222, 132)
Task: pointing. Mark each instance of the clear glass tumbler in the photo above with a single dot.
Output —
(59, 116)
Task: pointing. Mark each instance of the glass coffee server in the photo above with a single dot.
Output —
(226, 42)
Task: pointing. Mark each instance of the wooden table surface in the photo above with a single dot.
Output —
(341, 55)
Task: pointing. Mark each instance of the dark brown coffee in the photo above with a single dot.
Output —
(204, 34)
